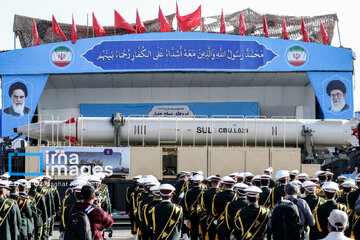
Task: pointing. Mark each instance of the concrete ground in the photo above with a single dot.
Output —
(119, 233)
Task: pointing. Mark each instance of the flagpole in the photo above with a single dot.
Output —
(87, 25)
(337, 24)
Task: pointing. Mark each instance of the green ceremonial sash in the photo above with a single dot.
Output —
(5, 209)
(256, 225)
(171, 223)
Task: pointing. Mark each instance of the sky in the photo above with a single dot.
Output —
(346, 11)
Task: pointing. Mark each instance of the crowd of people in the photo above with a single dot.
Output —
(243, 206)
(28, 208)
(290, 205)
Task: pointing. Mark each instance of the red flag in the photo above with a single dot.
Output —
(324, 35)
(57, 30)
(284, 30)
(242, 27)
(223, 24)
(99, 31)
(73, 31)
(165, 26)
(187, 22)
(265, 28)
(303, 31)
(35, 34)
(140, 28)
(120, 22)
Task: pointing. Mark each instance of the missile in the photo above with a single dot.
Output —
(196, 131)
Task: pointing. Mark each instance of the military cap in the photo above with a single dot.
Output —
(330, 187)
(84, 176)
(265, 176)
(282, 174)
(197, 172)
(302, 176)
(256, 178)
(314, 180)
(350, 183)
(214, 178)
(296, 182)
(79, 181)
(23, 182)
(294, 172)
(13, 184)
(155, 190)
(253, 191)
(240, 175)
(5, 176)
(240, 186)
(166, 189)
(94, 179)
(268, 170)
(137, 177)
(5, 184)
(34, 181)
(329, 173)
(78, 188)
(197, 178)
(338, 219)
(48, 177)
(248, 175)
(320, 173)
(335, 85)
(228, 180)
(152, 183)
(309, 186)
(341, 178)
(101, 175)
(233, 174)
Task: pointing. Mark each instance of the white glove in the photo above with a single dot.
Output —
(182, 195)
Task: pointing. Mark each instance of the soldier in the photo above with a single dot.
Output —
(191, 206)
(221, 199)
(101, 199)
(310, 195)
(206, 204)
(293, 175)
(240, 177)
(347, 187)
(56, 202)
(167, 217)
(5, 176)
(40, 203)
(181, 187)
(145, 199)
(257, 181)
(72, 195)
(76, 192)
(353, 216)
(45, 189)
(129, 210)
(269, 171)
(278, 193)
(25, 213)
(251, 221)
(134, 198)
(248, 178)
(341, 179)
(8, 214)
(24, 187)
(265, 195)
(224, 231)
(302, 177)
(149, 208)
(323, 211)
(329, 175)
(103, 189)
(321, 175)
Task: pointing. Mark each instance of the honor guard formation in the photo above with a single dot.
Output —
(238, 206)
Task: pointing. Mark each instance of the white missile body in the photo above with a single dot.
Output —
(197, 131)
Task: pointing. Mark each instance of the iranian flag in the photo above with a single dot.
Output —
(296, 56)
(61, 56)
